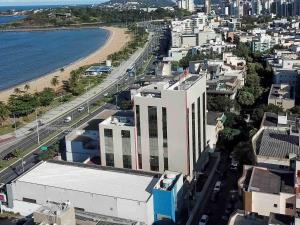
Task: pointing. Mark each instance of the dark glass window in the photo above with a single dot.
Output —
(193, 134)
(109, 159)
(153, 138)
(199, 125)
(126, 148)
(165, 137)
(138, 128)
(109, 148)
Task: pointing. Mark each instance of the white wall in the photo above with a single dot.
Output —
(105, 205)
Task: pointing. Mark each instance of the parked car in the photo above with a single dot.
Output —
(203, 220)
(234, 165)
(68, 119)
(217, 187)
(80, 109)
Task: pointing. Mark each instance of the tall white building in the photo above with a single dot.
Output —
(171, 124)
(186, 4)
(169, 132)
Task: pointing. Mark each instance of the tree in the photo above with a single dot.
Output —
(17, 91)
(26, 87)
(4, 112)
(22, 105)
(246, 98)
(219, 103)
(46, 96)
(54, 81)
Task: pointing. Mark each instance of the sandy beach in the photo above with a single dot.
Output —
(118, 38)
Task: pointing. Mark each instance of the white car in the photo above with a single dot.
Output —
(203, 220)
(68, 119)
(217, 187)
(234, 165)
(80, 109)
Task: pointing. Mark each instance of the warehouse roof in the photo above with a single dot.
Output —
(96, 180)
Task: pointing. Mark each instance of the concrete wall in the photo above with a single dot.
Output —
(94, 203)
(117, 144)
(175, 103)
(270, 201)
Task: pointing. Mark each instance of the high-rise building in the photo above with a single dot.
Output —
(207, 6)
(171, 124)
(186, 4)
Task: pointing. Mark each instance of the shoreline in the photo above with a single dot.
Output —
(117, 39)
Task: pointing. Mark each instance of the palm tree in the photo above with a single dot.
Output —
(54, 81)
(17, 90)
(26, 87)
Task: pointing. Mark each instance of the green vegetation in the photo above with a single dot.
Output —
(91, 15)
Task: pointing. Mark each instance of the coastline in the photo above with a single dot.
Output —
(116, 40)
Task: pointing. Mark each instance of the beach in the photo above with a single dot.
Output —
(117, 39)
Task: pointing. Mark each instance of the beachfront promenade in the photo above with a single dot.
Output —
(82, 100)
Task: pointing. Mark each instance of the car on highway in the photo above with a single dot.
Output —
(217, 187)
(80, 109)
(203, 220)
(68, 119)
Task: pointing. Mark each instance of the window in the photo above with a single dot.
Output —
(165, 137)
(127, 161)
(153, 139)
(275, 205)
(199, 125)
(138, 129)
(109, 147)
(193, 134)
(289, 206)
(126, 148)
(109, 159)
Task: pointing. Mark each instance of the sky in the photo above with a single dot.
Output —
(47, 2)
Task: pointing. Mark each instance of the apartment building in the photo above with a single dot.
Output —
(170, 123)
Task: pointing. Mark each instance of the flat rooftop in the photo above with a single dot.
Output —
(277, 143)
(266, 181)
(282, 91)
(272, 120)
(97, 180)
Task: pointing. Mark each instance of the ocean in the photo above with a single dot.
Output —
(9, 19)
(28, 55)
(33, 7)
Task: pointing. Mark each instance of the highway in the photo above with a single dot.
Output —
(57, 129)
